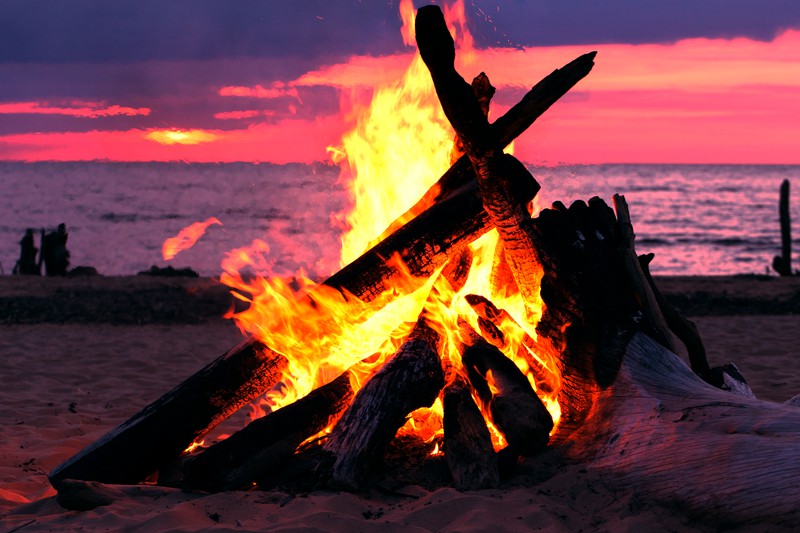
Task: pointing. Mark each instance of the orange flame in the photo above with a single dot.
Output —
(186, 238)
(400, 143)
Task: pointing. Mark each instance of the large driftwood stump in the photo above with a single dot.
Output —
(634, 410)
(630, 407)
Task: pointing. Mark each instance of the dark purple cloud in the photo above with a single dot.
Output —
(59, 31)
(56, 31)
(172, 56)
(556, 22)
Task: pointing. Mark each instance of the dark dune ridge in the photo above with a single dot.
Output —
(152, 300)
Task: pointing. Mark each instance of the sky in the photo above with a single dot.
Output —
(679, 81)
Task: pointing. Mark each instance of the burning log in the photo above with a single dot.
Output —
(467, 443)
(251, 453)
(411, 379)
(161, 431)
(491, 321)
(514, 406)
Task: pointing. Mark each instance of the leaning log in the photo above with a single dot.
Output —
(504, 130)
(514, 407)
(161, 431)
(411, 379)
(468, 446)
(634, 411)
(266, 443)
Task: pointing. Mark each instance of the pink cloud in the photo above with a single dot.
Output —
(277, 90)
(282, 142)
(82, 109)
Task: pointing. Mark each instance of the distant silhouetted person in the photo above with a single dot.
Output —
(27, 265)
(54, 251)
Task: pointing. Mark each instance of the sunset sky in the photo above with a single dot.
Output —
(684, 81)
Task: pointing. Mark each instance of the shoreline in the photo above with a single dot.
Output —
(139, 299)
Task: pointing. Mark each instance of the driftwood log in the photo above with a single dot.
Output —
(634, 410)
(253, 452)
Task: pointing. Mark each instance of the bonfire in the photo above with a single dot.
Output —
(476, 325)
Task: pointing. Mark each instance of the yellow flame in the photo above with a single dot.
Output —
(186, 238)
(193, 446)
(399, 145)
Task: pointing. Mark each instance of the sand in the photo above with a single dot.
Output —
(82, 355)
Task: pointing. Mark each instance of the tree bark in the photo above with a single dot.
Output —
(411, 379)
(161, 431)
(264, 444)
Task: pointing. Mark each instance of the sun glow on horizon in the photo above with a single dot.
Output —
(175, 136)
(696, 100)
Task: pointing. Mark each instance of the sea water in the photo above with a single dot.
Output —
(697, 219)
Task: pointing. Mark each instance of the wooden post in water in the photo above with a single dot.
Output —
(782, 264)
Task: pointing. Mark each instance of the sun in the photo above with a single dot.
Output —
(175, 136)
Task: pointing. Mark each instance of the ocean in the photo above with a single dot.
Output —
(697, 219)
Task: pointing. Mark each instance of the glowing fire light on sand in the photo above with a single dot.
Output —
(399, 145)
(186, 238)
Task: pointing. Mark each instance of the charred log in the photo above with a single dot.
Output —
(264, 444)
(491, 320)
(411, 379)
(514, 407)
(467, 443)
(161, 431)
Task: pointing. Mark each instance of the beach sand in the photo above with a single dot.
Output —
(82, 355)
